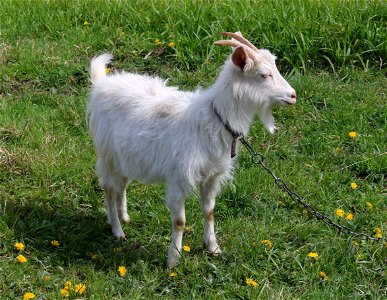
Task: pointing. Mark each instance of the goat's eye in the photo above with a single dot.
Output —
(266, 75)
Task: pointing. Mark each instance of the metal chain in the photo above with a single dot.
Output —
(257, 159)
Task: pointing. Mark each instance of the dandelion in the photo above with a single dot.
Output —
(157, 42)
(107, 71)
(267, 243)
(338, 150)
(46, 278)
(186, 248)
(19, 246)
(64, 292)
(378, 232)
(117, 249)
(251, 281)
(188, 229)
(355, 244)
(313, 255)
(339, 213)
(349, 217)
(172, 274)
(171, 44)
(21, 259)
(68, 285)
(94, 256)
(80, 288)
(352, 134)
(122, 271)
(28, 295)
(323, 275)
(86, 23)
(55, 243)
(369, 205)
(354, 186)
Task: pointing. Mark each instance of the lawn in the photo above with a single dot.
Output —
(330, 148)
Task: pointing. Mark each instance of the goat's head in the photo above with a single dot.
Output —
(257, 77)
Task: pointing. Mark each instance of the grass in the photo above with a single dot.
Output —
(332, 52)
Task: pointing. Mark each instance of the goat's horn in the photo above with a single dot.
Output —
(235, 44)
(240, 39)
(228, 43)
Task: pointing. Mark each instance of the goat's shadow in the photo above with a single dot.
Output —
(84, 236)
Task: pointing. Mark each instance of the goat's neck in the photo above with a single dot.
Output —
(238, 114)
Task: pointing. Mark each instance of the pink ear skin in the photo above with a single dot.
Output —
(239, 57)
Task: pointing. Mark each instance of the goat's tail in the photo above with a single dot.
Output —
(98, 66)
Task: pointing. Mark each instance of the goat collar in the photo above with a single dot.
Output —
(235, 134)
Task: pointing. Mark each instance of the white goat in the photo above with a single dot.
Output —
(144, 130)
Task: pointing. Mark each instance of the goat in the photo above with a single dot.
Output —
(144, 130)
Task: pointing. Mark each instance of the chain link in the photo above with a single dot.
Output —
(257, 159)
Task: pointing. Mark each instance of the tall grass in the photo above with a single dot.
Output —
(304, 34)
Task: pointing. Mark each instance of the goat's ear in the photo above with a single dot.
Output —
(239, 57)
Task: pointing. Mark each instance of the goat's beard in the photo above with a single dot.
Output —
(266, 116)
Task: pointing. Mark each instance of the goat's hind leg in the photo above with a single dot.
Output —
(111, 199)
(208, 192)
(122, 206)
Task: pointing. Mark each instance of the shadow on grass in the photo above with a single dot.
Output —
(83, 234)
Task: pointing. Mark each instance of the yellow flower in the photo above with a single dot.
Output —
(46, 278)
(323, 275)
(338, 149)
(339, 213)
(349, 217)
(171, 44)
(172, 274)
(157, 42)
(19, 246)
(107, 71)
(354, 186)
(64, 292)
(28, 295)
(378, 232)
(267, 243)
(94, 256)
(352, 134)
(80, 288)
(21, 259)
(369, 205)
(188, 229)
(313, 255)
(55, 243)
(355, 244)
(122, 270)
(68, 285)
(86, 23)
(251, 281)
(186, 248)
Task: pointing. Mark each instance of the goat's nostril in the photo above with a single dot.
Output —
(293, 96)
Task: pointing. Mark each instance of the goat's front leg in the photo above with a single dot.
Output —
(209, 190)
(175, 203)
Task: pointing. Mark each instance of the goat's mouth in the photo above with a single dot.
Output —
(288, 102)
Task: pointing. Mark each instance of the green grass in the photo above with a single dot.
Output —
(332, 52)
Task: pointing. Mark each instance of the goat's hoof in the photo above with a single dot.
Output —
(119, 234)
(214, 250)
(125, 218)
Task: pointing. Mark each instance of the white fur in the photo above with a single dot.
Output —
(144, 130)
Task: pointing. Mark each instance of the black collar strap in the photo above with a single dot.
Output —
(236, 135)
